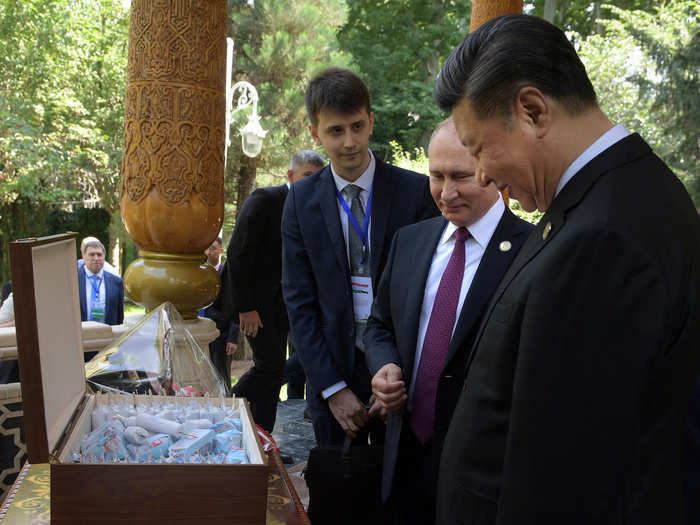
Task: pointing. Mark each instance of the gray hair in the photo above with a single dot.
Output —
(306, 156)
(94, 244)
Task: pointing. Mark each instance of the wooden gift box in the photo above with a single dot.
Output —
(57, 412)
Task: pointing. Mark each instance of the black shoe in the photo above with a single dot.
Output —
(287, 460)
(307, 415)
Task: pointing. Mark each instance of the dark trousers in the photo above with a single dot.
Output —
(261, 384)
(221, 361)
(294, 375)
(414, 486)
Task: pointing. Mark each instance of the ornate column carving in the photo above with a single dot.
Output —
(485, 10)
(172, 200)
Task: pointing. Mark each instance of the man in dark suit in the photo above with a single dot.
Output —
(336, 231)
(254, 260)
(579, 380)
(220, 311)
(101, 293)
(403, 337)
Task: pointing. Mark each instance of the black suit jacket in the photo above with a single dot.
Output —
(579, 380)
(114, 297)
(253, 257)
(392, 329)
(316, 273)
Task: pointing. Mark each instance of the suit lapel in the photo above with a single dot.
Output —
(328, 202)
(381, 206)
(108, 297)
(417, 267)
(81, 290)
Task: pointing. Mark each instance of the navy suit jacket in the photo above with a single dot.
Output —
(315, 269)
(392, 329)
(114, 300)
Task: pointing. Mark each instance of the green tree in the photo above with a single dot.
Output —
(278, 46)
(398, 48)
(62, 67)
(645, 72)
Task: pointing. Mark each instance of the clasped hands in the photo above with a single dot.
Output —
(389, 393)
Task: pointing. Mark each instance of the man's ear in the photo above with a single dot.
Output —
(371, 122)
(290, 175)
(314, 134)
(533, 109)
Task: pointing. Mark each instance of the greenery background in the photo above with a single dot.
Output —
(62, 83)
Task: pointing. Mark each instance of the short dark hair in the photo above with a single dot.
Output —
(94, 244)
(507, 53)
(336, 89)
(219, 241)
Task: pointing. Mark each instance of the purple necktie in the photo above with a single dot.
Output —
(437, 341)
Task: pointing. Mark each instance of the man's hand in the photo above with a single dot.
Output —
(250, 322)
(231, 348)
(348, 410)
(389, 388)
(376, 409)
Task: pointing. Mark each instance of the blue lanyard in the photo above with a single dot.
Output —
(96, 288)
(362, 232)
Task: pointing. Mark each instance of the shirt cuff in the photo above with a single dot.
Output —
(328, 392)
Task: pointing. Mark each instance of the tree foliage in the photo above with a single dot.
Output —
(646, 74)
(62, 78)
(398, 48)
(278, 46)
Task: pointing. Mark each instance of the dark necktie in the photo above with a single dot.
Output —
(359, 265)
(437, 341)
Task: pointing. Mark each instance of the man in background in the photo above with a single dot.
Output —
(254, 260)
(439, 278)
(101, 293)
(578, 384)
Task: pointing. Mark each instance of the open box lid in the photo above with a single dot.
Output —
(49, 340)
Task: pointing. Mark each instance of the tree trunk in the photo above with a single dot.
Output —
(246, 180)
(550, 7)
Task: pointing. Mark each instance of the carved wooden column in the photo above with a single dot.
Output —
(172, 200)
(485, 10)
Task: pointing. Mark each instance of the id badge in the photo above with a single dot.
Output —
(97, 313)
(361, 296)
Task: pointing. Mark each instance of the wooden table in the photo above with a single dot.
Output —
(28, 502)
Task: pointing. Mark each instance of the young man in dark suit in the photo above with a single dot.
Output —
(438, 280)
(578, 385)
(254, 261)
(336, 231)
(101, 293)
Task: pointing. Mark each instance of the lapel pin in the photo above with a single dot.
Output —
(547, 229)
(505, 246)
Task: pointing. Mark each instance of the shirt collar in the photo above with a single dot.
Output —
(364, 181)
(482, 230)
(607, 139)
(99, 274)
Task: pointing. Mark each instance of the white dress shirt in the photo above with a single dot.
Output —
(607, 139)
(88, 291)
(365, 183)
(480, 235)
